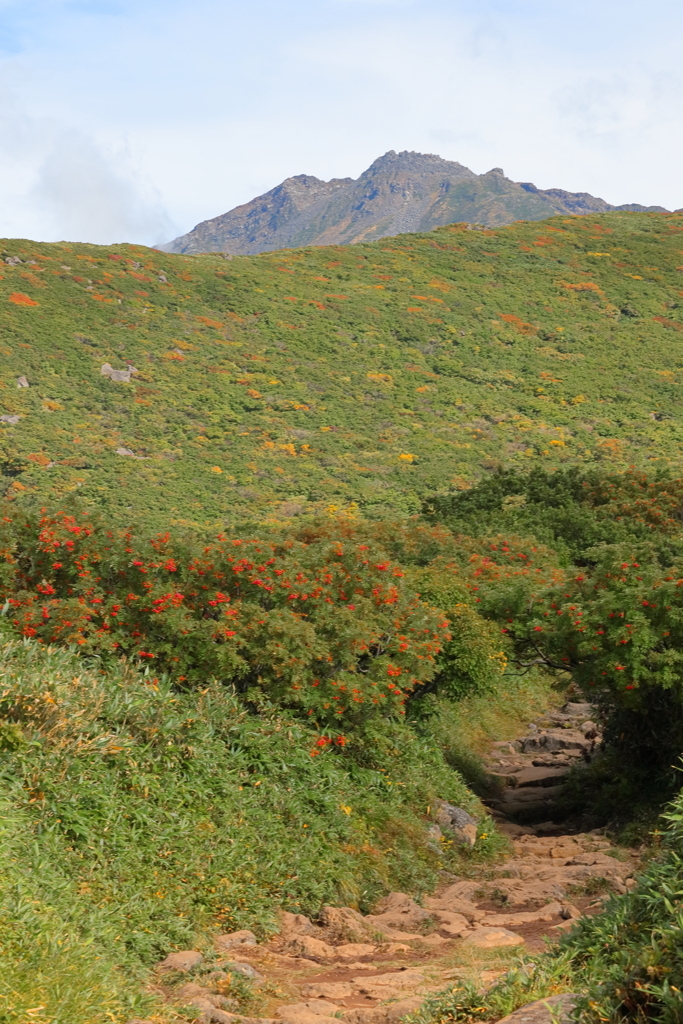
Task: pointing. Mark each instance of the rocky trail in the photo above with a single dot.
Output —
(374, 969)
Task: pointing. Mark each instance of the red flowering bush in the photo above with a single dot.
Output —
(328, 626)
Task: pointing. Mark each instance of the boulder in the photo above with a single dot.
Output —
(190, 992)
(452, 924)
(397, 911)
(296, 924)
(183, 960)
(311, 948)
(12, 420)
(22, 382)
(246, 970)
(553, 1010)
(450, 900)
(343, 924)
(122, 376)
(229, 939)
(457, 822)
(211, 1014)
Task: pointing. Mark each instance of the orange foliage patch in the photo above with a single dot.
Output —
(584, 286)
(668, 323)
(40, 459)
(209, 323)
(517, 323)
(19, 299)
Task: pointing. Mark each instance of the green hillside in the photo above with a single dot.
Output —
(284, 383)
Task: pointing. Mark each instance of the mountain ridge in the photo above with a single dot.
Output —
(399, 193)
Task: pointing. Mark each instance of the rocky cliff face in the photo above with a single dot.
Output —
(399, 192)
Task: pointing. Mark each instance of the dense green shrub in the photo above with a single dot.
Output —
(137, 818)
(630, 957)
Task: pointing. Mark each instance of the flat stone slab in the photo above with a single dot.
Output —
(537, 776)
(331, 990)
(493, 938)
(319, 1007)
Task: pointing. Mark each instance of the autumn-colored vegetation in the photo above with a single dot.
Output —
(272, 386)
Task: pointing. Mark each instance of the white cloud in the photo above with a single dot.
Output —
(129, 108)
(58, 182)
(86, 193)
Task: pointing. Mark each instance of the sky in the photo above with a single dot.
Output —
(133, 120)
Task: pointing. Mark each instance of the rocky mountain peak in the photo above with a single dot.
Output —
(398, 193)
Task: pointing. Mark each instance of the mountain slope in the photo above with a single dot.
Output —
(271, 385)
(399, 192)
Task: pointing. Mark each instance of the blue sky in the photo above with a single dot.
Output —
(124, 120)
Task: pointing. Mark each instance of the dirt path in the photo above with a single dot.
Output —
(374, 969)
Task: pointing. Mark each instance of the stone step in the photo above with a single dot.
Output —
(539, 776)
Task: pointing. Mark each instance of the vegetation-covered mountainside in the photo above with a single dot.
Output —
(199, 726)
(398, 192)
(279, 384)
